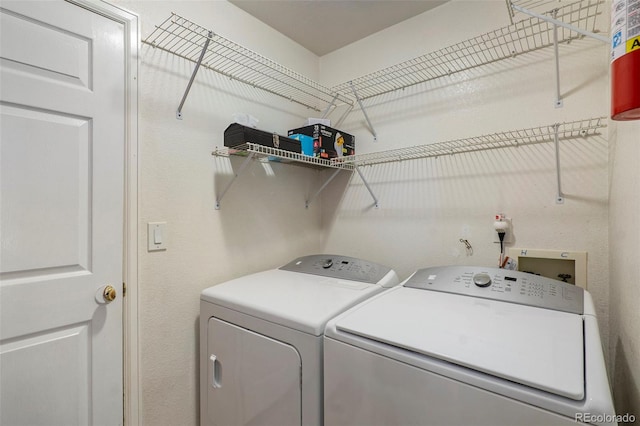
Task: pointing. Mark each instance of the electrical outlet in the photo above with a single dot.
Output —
(508, 235)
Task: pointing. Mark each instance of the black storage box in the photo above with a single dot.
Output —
(327, 141)
(237, 134)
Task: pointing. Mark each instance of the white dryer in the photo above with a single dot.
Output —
(261, 338)
(468, 346)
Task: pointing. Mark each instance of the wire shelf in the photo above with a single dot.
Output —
(186, 39)
(514, 138)
(521, 37)
(508, 139)
(263, 151)
(540, 6)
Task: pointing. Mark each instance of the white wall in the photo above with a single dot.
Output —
(262, 223)
(624, 240)
(426, 206)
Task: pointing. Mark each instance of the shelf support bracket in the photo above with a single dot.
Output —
(343, 116)
(558, 102)
(244, 164)
(561, 24)
(364, 111)
(193, 75)
(366, 184)
(328, 108)
(313, 197)
(560, 195)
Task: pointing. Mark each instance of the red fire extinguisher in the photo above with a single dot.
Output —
(625, 60)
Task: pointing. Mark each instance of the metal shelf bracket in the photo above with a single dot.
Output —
(364, 111)
(193, 75)
(333, 175)
(343, 116)
(313, 197)
(328, 108)
(560, 195)
(558, 102)
(366, 184)
(243, 166)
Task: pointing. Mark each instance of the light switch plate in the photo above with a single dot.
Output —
(156, 236)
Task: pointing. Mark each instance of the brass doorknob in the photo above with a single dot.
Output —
(109, 294)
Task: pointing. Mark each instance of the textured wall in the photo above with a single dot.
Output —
(624, 240)
(262, 223)
(427, 205)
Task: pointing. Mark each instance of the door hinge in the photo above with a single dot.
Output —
(124, 289)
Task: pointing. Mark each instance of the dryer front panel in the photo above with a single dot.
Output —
(252, 379)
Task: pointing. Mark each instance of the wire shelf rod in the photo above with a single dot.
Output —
(521, 37)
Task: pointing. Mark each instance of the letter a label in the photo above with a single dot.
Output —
(633, 44)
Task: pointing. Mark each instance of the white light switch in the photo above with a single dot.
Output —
(156, 236)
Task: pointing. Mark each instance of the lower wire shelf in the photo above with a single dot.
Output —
(251, 151)
(262, 151)
(514, 138)
(507, 139)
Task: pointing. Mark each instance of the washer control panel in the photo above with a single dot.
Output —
(341, 267)
(501, 284)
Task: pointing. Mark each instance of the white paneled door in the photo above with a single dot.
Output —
(62, 100)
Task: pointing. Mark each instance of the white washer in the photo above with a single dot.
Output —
(261, 338)
(468, 346)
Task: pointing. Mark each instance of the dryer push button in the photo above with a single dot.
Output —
(482, 280)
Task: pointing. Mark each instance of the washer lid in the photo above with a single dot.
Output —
(536, 347)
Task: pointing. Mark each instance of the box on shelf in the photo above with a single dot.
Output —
(306, 142)
(237, 134)
(311, 121)
(327, 141)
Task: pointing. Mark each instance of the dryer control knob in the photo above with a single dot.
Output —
(482, 280)
(327, 264)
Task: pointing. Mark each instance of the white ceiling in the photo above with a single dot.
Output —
(323, 26)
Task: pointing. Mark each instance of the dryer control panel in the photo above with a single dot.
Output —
(501, 284)
(341, 267)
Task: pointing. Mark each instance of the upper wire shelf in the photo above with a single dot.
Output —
(514, 138)
(186, 39)
(521, 37)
